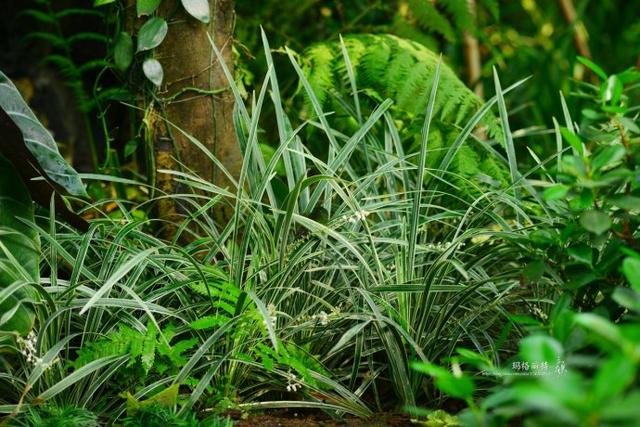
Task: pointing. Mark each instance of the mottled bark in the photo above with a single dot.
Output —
(195, 98)
(226, 145)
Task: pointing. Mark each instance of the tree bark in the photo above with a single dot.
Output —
(195, 98)
(227, 149)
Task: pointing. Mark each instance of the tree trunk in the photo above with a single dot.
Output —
(196, 99)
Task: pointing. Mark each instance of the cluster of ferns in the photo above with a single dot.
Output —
(385, 66)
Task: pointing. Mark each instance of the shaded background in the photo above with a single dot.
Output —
(521, 38)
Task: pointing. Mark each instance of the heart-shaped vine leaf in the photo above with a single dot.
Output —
(153, 71)
(123, 51)
(199, 9)
(146, 7)
(151, 34)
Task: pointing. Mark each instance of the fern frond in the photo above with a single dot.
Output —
(321, 64)
(75, 11)
(430, 18)
(139, 346)
(461, 12)
(403, 28)
(398, 69)
(86, 36)
(50, 38)
(493, 8)
(96, 63)
(39, 16)
(149, 347)
(387, 66)
(61, 57)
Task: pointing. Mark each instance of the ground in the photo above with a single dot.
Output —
(298, 418)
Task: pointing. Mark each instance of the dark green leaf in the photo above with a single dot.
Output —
(608, 156)
(583, 201)
(622, 411)
(627, 298)
(631, 270)
(153, 71)
(593, 67)
(146, 7)
(613, 377)
(459, 386)
(581, 279)
(199, 9)
(581, 253)
(555, 192)
(595, 221)
(534, 270)
(522, 319)
(601, 327)
(573, 140)
(540, 348)
(130, 147)
(151, 34)
(22, 244)
(123, 51)
(625, 202)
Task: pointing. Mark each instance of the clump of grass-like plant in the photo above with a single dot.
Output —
(322, 287)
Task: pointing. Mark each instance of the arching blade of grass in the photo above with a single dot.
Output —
(422, 161)
(506, 130)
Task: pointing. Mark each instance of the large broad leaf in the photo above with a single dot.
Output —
(19, 252)
(38, 140)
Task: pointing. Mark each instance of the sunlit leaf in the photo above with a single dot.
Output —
(555, 192)
(146, 7)
(153, 71)
(593, 67)
(199, 9)
(98, 3)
